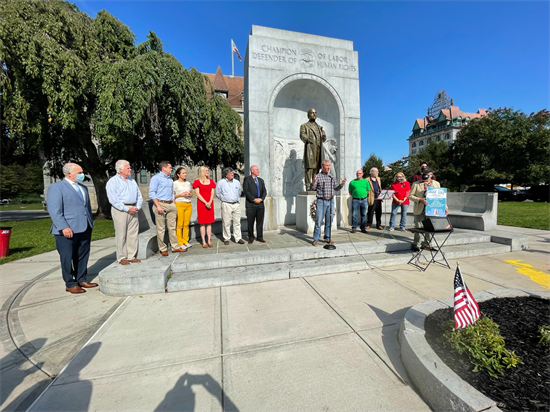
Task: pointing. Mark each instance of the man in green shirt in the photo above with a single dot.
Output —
(358, 189)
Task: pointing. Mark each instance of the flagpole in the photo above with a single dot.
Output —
(232, 60)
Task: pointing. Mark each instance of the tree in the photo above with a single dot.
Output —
(79, 89)
(506, 146)
(438, 156)
(386, 177)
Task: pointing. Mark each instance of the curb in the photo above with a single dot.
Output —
(443, 389)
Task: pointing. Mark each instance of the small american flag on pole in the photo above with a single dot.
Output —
(466, 308)
(234, 47)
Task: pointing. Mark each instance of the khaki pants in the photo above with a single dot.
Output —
(418, 223)
(164, 221)
(184, 216)
(231, 212)
(126, 234)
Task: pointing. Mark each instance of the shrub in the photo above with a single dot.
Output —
(544, 333)
(483, 344)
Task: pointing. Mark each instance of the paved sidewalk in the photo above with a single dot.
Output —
(319, 343)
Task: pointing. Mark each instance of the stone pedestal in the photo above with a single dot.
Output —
(304, 222)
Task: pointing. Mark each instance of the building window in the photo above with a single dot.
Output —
(143, 176)
(414, 144)
(421, 149)
(429, 140)
(414, 151)
(447, 136)
(438, 138)
(421, 143)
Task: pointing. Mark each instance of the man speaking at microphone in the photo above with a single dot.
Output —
(325, 185)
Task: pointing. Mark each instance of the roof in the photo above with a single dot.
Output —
(233, 86)
(454, 111)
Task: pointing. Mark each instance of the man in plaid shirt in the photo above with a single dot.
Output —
(325, 185)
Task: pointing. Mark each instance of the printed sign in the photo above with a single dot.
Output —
(385, 194)
(437, 201)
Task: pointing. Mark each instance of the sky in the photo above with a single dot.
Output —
(482, 53)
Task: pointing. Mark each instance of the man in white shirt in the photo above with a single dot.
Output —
(228, 190)
(126, 200)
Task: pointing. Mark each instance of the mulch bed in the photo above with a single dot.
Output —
(523, 388)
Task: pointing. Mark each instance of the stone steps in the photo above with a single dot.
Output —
(315, 267)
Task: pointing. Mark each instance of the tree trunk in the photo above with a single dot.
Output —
(103, 205)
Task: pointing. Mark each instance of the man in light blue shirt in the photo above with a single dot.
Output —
(126, 200)
(161, 192)
(228, 190)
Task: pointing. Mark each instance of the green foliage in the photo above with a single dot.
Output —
(438, 156)
(544, 334)
(30, 237)
(483, 344)
(79, 89)
(506, 146)
(19, 181)
(524, 214)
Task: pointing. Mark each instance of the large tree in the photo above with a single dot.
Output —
(384, 175)
(506, 146)
(79, 89)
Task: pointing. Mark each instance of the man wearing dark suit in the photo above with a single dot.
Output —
(72, 224)
(255, 193)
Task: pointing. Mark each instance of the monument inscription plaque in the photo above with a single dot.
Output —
(286, 74)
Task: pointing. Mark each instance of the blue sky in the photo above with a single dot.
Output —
(484, 54)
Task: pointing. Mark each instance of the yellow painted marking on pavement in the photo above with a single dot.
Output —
(536, 275)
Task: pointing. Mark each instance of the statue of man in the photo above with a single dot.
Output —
(313, 137)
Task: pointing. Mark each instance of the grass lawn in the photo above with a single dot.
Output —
(31, 237)
(21, 206)
(524, 214)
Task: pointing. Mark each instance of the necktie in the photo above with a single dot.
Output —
(257, 186)
(79, 192)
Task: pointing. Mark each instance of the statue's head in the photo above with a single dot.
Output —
(312, 114)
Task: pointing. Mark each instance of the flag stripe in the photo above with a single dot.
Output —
(466, 309)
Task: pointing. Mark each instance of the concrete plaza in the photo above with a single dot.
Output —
(318, 343)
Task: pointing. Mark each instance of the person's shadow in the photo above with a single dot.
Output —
(293, 182)
(182, 398)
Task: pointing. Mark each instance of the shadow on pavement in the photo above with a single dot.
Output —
(182, 397)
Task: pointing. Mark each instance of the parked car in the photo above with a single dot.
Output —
(503, 192)
(540, 193)
(5, 201)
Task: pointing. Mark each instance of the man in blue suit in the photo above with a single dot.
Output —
(71, 213)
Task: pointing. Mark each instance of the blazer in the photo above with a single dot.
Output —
(417, 193)
(370, 194)
(67, 209)
(251, 191)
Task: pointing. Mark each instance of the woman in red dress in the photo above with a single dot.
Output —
(204, 189)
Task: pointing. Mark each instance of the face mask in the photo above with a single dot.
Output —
(80, 177)
(399, 179)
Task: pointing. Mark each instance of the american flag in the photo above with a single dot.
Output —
(234, 48)
(466, 308)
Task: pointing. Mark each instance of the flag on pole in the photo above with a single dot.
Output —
(466, 308)
(235, 49)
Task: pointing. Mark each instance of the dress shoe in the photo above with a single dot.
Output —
(124, 262)
(135, 260)
(250, 241)
(165, 253)
(364, 231)
(240, 242)
(380, 228)
(315, 243)
(226, 242)
(353, 231)
(179, 250)
(367, 228)
(75, 289)
(261, 240)
(88, 285)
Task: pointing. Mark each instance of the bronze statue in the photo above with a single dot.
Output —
(313, 137)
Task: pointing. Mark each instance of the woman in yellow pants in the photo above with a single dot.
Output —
(183, 192)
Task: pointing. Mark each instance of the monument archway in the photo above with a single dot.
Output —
(290, 101)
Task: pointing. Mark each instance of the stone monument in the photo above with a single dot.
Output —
(286, 74)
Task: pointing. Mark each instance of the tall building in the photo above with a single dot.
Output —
(442, 123)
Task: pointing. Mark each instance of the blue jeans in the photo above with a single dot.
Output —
(324, 211)
(394, 207)
(357, 205)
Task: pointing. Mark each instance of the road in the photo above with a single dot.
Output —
(23, 215)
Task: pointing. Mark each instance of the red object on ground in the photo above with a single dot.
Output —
(5, 233)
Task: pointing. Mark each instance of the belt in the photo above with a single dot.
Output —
(356, 198)
(231, 203)
(323, 198)
(165, 201)
(130, 204)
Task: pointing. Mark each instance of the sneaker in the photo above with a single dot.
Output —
(403, 230)
(391, 229)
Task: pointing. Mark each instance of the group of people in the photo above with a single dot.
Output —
(365, 202)
(72, 222)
